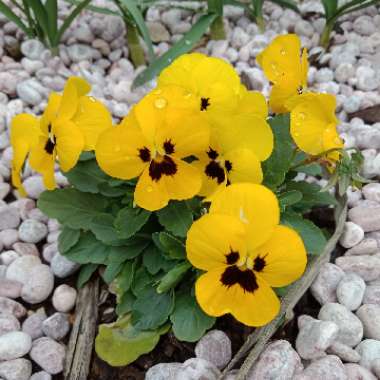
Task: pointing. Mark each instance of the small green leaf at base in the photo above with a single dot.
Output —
(86, 271)
(67, 239)
(130, 220)
(176, 217)
(189, 322)
(121, 343)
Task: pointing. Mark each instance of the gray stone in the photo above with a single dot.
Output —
(157, 31)
(367, 267)
(20, 269)
(350, 326)
(214, 347)
(56, 326)
(371, 191)
(376, 367)
(33, 324)
(324, 286)
(34, 186)
(278, 361)
(197, 369)
(163, 371)
(315, 337)
(63, 267)
(18, 369)
(372, 295)
(32, 231)
(26, 249)
(28, 94)
(368, 349)
(370, 316)
(357, 372)
(32, 49)
(8, 323)
(10, 288)
(49, 251)
(367, 246)
(345, 353)
(14, 345)
(327, 368)
(352, 235)
(364, 25)
(42, 375)
(7, 257)
(64, 298)
(8, 237)
(80, 52)
(9, 218)
(12, 307)
(350, 291)
(366, 217)
(4, 188)
(39, 284)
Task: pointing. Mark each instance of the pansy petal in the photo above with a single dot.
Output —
(92, 119)
(304, 67)
(281, 92)
(149, 194)
(43, 162)
(243, 166)
(253, 102)
(249, 131)
(117, 151)
(212, 238)
(51, 111)
(69, 143)
(74, 88)
(280, 57)
(209, 183)
(185, 183)
(255, 308)
(284, 255)
(25, 132)
(255, 205)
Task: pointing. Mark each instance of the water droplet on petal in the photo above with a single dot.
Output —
(327, 130)
(149, 189)
(160, 103)
(296, 134)
(302, 116)
(282, 52)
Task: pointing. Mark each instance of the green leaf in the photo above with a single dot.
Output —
(176, 217)
(90, 250)
(102, 226)
(142, 281)
(182, 46)
(125, 278)
(86, 271)
(215, 6)
(313, 169)
(112, 191)
(311, 235)
(173, 277)
(130, 220)
(112, 270)
(289, 198)
(278, 164)
(173, 246)
(330, 7)
(125, 304)
(121, 343)
(154, 261)
(67, 239)
(312, 195)
(11, 16)
(86, 176)
(76, 11)
(151, 309)
(189, 322)
(41, 17)
(71, 207)
(52, 17)
(138, 18)
(290, 4)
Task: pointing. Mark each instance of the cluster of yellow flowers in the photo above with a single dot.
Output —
(200, 132)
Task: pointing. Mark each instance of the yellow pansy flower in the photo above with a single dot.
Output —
(244, 252)
(286, 67)
(151, 144)
(313, 124)
(63, 131)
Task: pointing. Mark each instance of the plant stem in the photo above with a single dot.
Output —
(325, 36)
(217, 29)
(260, 23)
(54, 50)
(137, 52)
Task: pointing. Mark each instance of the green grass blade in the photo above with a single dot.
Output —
(40, 16)
(139, 21)
(330, 7)
(290, 4)
(257, 6)
(78, 9)
(184, 45)
(11, 16)
(215, 6)
(52, 17)
(355, 7)
(93, 8)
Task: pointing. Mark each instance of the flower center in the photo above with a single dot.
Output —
(245, 278)
(205, 103)
(214, 170)
(162, 165)
(51, 142)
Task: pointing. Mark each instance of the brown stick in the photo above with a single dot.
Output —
(79, 350)
(261, 336)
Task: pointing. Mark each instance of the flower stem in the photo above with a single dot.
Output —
(135, 49)
(325, 36)
(217, 29)
(260, 23)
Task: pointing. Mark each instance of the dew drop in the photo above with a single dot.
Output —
(302, 116)
(160, 103)
(282, 52)
(296, 134)
(149, 189)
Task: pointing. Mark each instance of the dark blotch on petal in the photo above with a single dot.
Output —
(212, 154)
(232, 257)
(205, 103)
(144, 154)
(246, 279)
(49, 146)
(259, 264)
(168, 147)
(164, 167)
(228, 165)
(215, 171)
